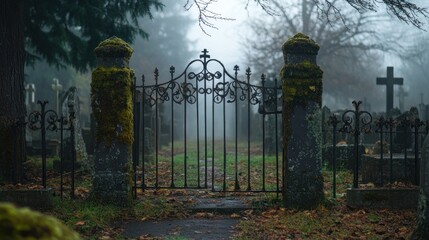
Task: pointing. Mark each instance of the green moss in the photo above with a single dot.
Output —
(113, 47)
(300, 43)
(111, 100)
(301, 82)
(23, 223)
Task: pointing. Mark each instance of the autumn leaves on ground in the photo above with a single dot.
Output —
(332, 220)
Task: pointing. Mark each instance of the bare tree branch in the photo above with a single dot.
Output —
(205, 14)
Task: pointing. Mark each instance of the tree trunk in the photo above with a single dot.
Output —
(422, 231)
(12, 108)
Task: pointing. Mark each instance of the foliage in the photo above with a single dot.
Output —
(23, 223)
(66, 32)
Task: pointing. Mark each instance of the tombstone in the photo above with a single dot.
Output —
(326, 127)
(111, 98)
(366, 105)
(422, 231)
(67, 163)
(30, 96)
(71, 99)
(57, 88)
(30, 102)
(423, 109)
(403, 139)
(302, 131)
(389, 81)
(401, 97)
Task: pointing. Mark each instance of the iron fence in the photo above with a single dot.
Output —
(44, 121)
(397, 146)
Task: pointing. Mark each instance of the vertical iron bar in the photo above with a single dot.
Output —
(185, 132)
(276, 121)
(391, 150)
(198, 135)
(135, 142)
(136, 154)
(172, 125)
(416, 151)
(263, 131)
(334, 158)
(248, 129)
(236, 185)
(405, 150)
(224, 132)
(356, 133)
(213, 135)
(381, 164)
(156, 129)
(143, 135)
(72, 136)
(43, 128)
(205, 129)
(61, 154)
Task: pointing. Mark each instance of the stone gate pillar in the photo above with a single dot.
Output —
(302, 131)
(111, 101)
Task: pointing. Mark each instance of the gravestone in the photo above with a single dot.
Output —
(69, 101)
(401, 98)
(423, 109)
(375, 170)
(111, 100)
(30, 104)
(403, 139)
(389, 81)
(422, 231)
(56, 87)
(302, 131)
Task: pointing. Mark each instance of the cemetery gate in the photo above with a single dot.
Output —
(206, 128)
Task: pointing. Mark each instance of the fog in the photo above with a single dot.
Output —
(176, 38)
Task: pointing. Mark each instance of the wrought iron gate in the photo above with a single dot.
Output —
(207, 128)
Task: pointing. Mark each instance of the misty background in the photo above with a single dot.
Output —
(352, 57)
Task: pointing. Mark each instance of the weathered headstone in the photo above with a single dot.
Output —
(111, 100)
(422, 231)
(389, 81)
(423, 109)
(403, 138)
(302, 136)
(401, 97)
(56, 87)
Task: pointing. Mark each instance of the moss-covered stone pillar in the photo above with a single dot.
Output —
(111, 100)
(302, 97)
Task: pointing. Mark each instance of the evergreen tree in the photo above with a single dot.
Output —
(61, 32)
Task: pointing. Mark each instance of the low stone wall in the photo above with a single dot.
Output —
(33, 198)
(372, 167)
(383, 198)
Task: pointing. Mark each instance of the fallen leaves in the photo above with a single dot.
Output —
(336, 223)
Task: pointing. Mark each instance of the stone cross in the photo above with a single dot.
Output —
(57, 87)
(389, 81)
(30, 96)
(401, 95)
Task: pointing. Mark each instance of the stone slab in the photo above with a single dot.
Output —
(193, 228)
(220, 205)
(35, 199)
(383, 198)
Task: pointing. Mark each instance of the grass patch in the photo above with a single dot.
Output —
(87, 217)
